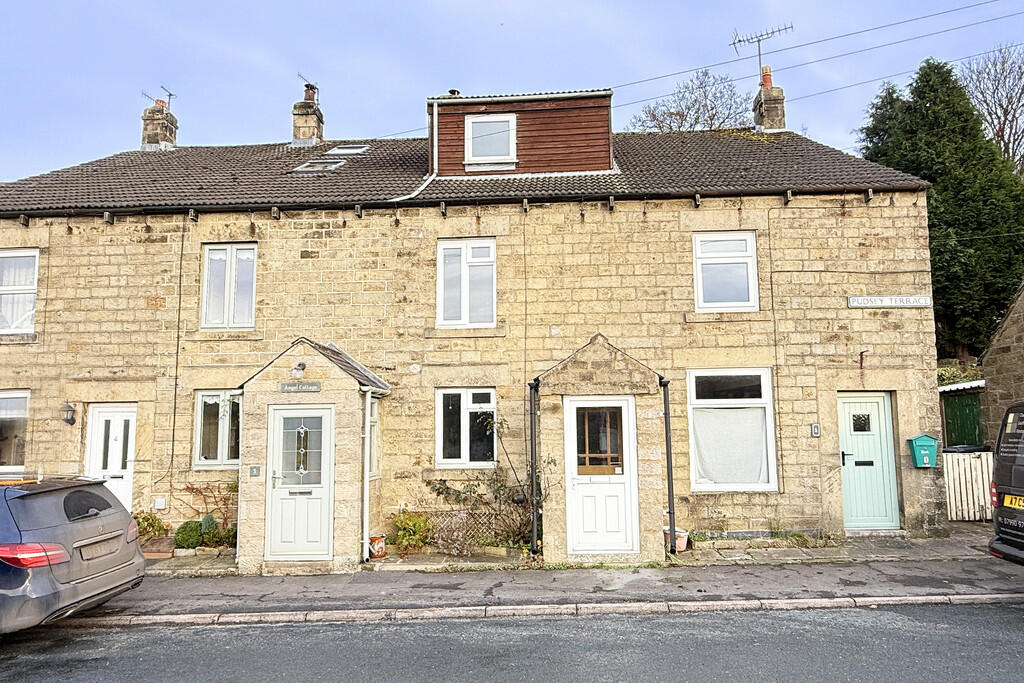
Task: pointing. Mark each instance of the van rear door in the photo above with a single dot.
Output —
(1008, 517)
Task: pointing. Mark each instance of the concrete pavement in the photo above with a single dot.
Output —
(373, 596)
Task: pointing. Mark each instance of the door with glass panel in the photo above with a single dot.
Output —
(866, 455)
(110, 448)
(600, 473)
(300, 482)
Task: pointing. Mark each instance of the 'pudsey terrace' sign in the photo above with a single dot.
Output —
(890, 301)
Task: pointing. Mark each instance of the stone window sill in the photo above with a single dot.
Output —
(455, 471)
(224, 335)
(728, 316)
(25, 338)
(500, 330)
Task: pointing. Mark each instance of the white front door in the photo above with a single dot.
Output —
(299, 496)
(601, 512)
(110, 448)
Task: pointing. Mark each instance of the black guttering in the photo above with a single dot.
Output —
(455, 201)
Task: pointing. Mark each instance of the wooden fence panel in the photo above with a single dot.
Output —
(967, 478)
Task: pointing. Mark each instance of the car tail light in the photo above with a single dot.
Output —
(995, 494)
(28, 555)
(133, 532)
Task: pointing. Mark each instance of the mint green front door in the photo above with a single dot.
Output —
(869, 465)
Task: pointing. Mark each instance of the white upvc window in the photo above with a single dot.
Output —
(732, 432)
(725, 271)
(19, 272)
(490, 138)
(13, 431)
(465, 428)
(374, 438)
(466, 283)
(229, 286)
(218, 428)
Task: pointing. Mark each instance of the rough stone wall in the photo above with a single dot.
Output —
(109, 308)
(1003, 362)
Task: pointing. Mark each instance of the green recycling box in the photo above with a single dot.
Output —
(924, 449)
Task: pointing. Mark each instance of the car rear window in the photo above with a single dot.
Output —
(79, 504)
(1011, 441)
(52, 508)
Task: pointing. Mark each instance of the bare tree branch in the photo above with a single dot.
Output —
(995, 83)
(705, 102)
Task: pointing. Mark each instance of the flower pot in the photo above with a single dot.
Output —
(682, 538)
(377, 550)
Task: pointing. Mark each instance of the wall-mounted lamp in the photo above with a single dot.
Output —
(67, 413)
(297, 370)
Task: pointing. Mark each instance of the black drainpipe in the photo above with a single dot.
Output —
(534, 389)
(668, 463)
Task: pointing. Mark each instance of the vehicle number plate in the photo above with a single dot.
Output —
(1013, 502)
(94, 550)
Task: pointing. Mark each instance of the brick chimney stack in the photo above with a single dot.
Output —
(307, 119)
(769, 104)
(159, 128)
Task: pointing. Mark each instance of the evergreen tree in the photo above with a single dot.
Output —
(935, 133)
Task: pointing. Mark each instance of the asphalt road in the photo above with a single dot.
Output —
(927, 643)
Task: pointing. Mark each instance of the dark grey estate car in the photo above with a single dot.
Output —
(66, 545)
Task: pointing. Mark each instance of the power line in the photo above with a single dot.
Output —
(844, 54)
(813, 42)
(813, 61)
(901, 73)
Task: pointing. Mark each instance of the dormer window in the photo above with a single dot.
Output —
(491, 139)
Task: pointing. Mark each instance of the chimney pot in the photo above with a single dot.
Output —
(769, 104)
(307, 120)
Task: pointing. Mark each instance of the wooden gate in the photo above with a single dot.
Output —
(967, 485)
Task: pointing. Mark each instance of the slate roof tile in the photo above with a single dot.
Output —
(728, 162)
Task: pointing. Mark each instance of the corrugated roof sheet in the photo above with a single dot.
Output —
(961, 386)
(728, 162)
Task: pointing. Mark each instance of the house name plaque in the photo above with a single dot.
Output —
(298, 387)
(895, 301)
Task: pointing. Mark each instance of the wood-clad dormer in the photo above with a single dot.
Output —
(503, 134)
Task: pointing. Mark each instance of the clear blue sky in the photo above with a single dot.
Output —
(71, 72)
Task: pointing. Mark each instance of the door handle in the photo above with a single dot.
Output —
(844, 455)
(273, 479)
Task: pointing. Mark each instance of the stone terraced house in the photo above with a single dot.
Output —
(332, 324)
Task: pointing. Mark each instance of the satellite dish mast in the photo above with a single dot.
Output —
(757, 38)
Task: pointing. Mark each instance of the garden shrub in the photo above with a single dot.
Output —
(188, 535)
(412, 531)
(150, 526)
